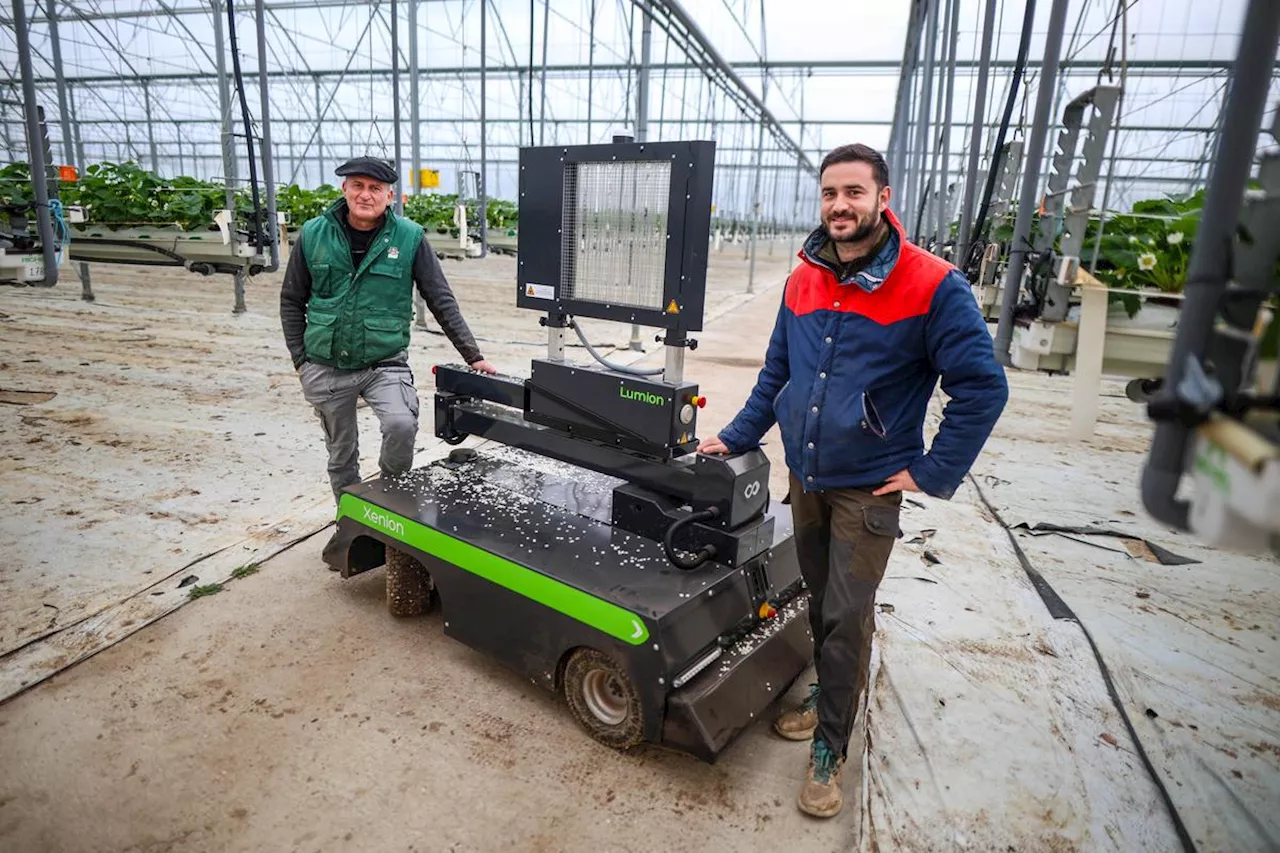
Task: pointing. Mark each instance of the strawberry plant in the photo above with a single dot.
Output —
(126, 194)
(299, 204)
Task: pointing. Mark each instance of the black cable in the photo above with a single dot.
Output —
(40, 679)
(924, 202)
(1019, 66)
(86, 259)
(258, 238)
(135, 244)
(1059, 609)
(104, 608)
(707, 552)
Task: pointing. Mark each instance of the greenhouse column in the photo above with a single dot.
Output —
(484, 130)
(395, 102)
(944, 197)
(64, 118)
(266, 149)
(151, 127)
(755, 207)
(415, 135)
(224, 107)
(975, 137)
(919, 189)
(642, 110)
(1030, 189)
(319, 138)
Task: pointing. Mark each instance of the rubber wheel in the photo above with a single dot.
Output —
(1142, 390)
(409, 587)
(603, 700)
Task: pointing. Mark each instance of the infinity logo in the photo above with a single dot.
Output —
(752, 489)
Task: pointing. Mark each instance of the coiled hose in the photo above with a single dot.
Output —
(706, 552)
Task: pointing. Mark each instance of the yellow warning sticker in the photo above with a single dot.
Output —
(673, 308)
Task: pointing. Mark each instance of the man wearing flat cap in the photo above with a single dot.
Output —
(346, 306)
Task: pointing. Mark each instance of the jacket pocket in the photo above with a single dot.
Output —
(384, 336)
(873, 542)
(780, 402)
(870, 421)
(318, 337)
(324, 281)
(882, 520)
(393, 268)
(777, 398)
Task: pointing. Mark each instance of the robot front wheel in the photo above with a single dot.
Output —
(603, 699)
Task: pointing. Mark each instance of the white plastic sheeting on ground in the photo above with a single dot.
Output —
(990, 725)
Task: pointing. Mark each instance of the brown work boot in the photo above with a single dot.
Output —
(820, 795)
(801, 721)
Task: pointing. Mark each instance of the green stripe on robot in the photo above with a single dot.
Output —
(574, 603)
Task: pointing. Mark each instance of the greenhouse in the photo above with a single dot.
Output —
(626, 363)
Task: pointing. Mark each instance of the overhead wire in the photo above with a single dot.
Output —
(980, 221)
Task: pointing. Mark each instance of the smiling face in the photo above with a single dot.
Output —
(852, 202)
(367, 199)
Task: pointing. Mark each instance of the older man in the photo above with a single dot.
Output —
(868, 325)
(346, 306)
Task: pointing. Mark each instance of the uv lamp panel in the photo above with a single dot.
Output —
(615, 222)
(616, 232)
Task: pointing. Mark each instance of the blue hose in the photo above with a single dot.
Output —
(64, 230)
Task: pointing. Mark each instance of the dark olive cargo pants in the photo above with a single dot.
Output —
(843, 540)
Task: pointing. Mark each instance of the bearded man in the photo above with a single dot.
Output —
(869, 324)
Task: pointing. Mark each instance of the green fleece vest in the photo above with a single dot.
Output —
(357, 317)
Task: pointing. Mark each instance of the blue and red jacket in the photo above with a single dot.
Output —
(852, 364)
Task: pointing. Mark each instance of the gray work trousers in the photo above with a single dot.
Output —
(389, 391)
(843, 540)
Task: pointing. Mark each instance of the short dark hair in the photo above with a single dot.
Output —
(859, 153)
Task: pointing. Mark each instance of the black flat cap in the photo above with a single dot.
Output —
(379, 170)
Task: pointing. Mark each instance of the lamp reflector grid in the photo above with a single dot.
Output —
(614, 234)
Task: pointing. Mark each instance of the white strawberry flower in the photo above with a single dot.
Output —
(1147, 261)
(1174, 238)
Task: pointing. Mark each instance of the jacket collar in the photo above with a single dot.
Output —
(874, 274)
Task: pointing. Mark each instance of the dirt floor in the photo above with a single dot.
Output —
(174, 429)
(290, 712)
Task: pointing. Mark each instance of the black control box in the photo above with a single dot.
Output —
(637, 412)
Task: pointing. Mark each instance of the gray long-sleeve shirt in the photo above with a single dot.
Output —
(428, 277)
